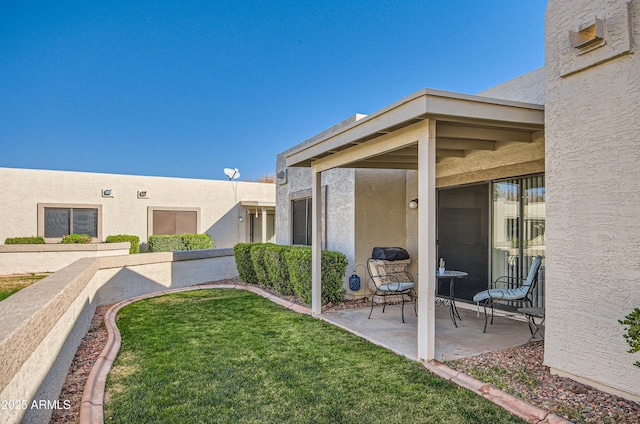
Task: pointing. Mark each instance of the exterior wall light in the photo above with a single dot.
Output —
(588, 36)
(413, 204)
(240, 219)
(107, 192)
(143, 194)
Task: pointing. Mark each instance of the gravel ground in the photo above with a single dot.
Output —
(518, 371)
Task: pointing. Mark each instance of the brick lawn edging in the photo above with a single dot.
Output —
(91, 405)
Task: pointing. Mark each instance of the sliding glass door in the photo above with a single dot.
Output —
(518, 229)
(463, 237)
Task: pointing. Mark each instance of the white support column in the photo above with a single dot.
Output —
(316, 241)
(427, 242)
(264, 225)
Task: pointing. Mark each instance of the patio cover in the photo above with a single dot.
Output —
(415, 133)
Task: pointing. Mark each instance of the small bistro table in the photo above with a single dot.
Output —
(452, 275)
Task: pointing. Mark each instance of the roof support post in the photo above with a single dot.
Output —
(264, 224)
(427, 241)
(316, 241)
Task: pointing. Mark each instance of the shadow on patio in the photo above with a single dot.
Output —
(387, 330)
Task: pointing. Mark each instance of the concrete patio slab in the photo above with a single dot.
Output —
(386, 329)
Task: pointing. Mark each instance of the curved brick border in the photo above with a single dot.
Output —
(91, 405)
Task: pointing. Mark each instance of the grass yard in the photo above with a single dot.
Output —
(10, 284)
(230, 356)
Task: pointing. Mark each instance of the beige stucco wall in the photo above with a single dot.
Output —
(380, 214)
(24, 258)
(527, 88)
(217, 200)
(593, 194)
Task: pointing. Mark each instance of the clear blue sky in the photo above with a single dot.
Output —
(186, 88)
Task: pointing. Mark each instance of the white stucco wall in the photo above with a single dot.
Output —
(593, 194)
(525, 88)
(217, 200)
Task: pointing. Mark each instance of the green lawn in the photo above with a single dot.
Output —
(230, 356)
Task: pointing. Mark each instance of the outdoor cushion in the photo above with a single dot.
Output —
(501, 294)
(392, 287)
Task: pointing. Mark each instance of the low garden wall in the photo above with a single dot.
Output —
(25, 258)
(43, 324)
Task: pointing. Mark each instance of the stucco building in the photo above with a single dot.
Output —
(546, 164)
(56, 203)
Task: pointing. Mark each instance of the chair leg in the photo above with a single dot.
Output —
(415, 302)
(372, 303)
(402, 296)
(485, 318)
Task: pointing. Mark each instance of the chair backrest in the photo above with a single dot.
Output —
(379, 268)
(377, 271)
(532, 277)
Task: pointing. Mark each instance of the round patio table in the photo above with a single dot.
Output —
(452, 275)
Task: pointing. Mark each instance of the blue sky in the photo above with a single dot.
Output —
(187, 88)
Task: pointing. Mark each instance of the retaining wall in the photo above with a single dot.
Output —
(25, 258)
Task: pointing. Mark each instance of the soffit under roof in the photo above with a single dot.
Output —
(464, 124)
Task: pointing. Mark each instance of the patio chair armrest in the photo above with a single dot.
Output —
(506, 282)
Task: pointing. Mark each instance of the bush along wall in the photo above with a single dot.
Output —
(25, 240)
(259, 266)
(277, 270)
(174, 242)
(244, 263)
(288, 270)
(333, 265)
(76, 239)
(133, 240)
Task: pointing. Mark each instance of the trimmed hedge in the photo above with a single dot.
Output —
(277, 269)
(288, 270)
(259, 266)
(333, 265)
(244, 263)
(25, 240)
(76, 239)
(134, 240)
(174, 242)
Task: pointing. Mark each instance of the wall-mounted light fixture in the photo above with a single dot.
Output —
(413, 204)
(143, 194)
(107, 192)
(240, 219)
(591, 34)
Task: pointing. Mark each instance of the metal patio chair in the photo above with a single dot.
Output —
(390, 278)
(513, 290)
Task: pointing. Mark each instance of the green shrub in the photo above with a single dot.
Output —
(632, 335)
(175, 242)
(277, 270)
(333, 265)
(76, 239)
(242, 254)
(257, 257)
(197, 241)
(25, 240)
(133, 240)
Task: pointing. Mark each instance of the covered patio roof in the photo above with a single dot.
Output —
(414, 133)
(464, 123)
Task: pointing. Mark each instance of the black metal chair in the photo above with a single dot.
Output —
(513, 290)
(387, 280)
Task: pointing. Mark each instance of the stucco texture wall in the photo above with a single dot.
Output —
(593, 193)
(217, 200)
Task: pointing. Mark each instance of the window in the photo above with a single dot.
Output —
(57, 221)
(519, 228)
(301, 221)
(171, 220)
